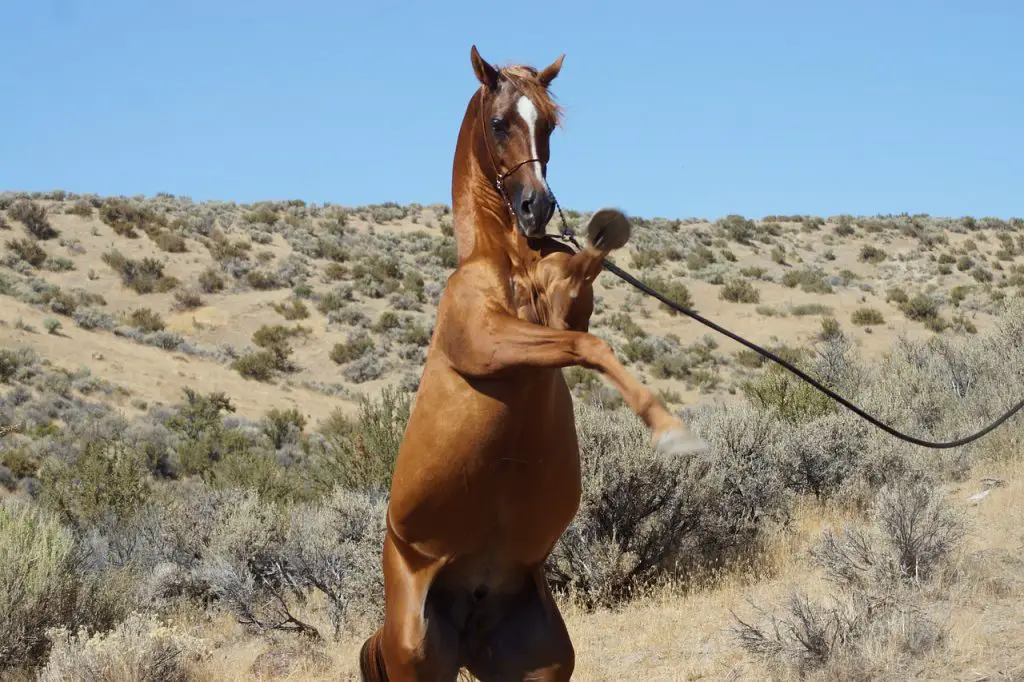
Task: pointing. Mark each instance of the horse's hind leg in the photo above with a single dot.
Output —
(416, 642)
(529, 643)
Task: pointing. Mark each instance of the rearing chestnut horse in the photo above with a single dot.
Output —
(488, 475)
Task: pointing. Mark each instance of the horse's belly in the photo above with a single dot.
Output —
(490, 480)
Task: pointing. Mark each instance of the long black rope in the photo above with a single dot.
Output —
(939, 445)
(567, 235)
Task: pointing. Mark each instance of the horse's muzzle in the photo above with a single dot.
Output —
(533, 209)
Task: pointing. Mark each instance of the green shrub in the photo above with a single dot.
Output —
(359, 453)
(292, 310)
(700, 258)
(146, 320)
(21, 462)
(844, 226)
(896, 295)
(740, 290)
(962, 324)
(750, 359)
(260, 365)
(414, 283)
(872, 254)
(37, 582)
(336, 271)
(415, 334)
(753, 272)
(804, 309)
(357, 345)
(187, 299)
(982, 275)
(272, 336)
(169, 241)
(830, 329)
(28, 251)
(124, 218)
(737, 228)
(106, 479)
(447, 253)
(387, 320)
(223, 250)
(674, 291)
(11, 361)
(283, 426)
(958, 293)
(643, 515)
(787, 396)
(647, 258)
(811, 280)
(920, 308)
(144, 276)
(262, 214)
(33, 217)
(274, 340)
(638, 350)
(210, 281)
(622, 322)
(867, 316)
(81, 208)
(262, 280)
(333, 300)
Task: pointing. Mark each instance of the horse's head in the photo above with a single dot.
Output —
(517, 116)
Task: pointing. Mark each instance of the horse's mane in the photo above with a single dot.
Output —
(524, 78)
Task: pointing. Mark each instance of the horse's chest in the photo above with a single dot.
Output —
(528, 301)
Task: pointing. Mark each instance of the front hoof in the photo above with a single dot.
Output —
(608, 229)
(680, 443)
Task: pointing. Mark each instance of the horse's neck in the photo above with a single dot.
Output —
(481, 218)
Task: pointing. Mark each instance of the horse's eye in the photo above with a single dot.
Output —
(499, 126)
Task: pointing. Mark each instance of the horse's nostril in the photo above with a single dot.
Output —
(526, 206)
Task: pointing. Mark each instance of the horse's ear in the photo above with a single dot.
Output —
(485, 73)
(548, 74)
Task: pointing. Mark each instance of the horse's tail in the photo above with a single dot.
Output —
(371, 659)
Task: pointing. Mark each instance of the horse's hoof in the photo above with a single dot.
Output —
(680, 443)
(608, 229)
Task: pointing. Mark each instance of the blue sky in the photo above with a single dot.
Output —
(673, 109)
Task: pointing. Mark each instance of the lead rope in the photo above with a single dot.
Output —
(567, 235)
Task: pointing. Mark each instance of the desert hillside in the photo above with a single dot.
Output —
(200, 404)
(162, 293)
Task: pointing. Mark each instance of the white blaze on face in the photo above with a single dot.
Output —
(528, 111)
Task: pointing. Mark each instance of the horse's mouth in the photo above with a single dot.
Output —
(535, 233)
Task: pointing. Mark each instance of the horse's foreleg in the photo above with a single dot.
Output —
(496, 344)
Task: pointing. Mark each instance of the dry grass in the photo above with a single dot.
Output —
(677, 632)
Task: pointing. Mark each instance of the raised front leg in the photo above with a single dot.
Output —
(481, 339)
